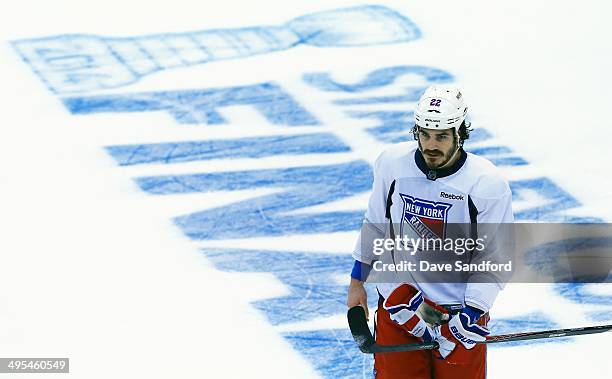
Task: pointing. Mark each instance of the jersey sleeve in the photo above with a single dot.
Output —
(493, 202)
(374, 221)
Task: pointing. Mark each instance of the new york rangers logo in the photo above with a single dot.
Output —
(426, 218)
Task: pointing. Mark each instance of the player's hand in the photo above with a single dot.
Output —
(402, 305)
(357, 295)
(460, 335)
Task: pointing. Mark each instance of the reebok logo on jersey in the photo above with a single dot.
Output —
(451, 196)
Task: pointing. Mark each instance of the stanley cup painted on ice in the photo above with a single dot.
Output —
(74, 63)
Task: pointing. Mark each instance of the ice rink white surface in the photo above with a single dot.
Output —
(95, 269)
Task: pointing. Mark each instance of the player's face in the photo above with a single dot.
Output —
(438, 147)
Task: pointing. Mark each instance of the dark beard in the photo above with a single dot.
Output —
(447, 157)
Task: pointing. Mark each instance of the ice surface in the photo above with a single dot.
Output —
(183, 216)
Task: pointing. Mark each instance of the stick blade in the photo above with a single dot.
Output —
(360, 329)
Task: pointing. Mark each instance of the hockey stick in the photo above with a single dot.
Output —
(363, 337)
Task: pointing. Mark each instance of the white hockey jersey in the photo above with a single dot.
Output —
(472, 191)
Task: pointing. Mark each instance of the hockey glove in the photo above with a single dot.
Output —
(402, 305)
(460, 335)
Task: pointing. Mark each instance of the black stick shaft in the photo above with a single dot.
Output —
(548, 334)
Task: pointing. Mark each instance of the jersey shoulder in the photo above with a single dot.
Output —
(397, 153)
(489, 182)
(396, 161)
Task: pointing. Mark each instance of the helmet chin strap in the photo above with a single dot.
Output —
(456, 150)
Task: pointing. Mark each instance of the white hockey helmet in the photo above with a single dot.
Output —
(440, 107)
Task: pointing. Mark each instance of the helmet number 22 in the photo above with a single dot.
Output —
(435, 102)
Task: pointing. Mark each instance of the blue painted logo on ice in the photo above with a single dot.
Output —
(77, 63)
(377, 107)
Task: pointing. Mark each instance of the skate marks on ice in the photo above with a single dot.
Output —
(76, 63)
(309, 276)
(378, 107)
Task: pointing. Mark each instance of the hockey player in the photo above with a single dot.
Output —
(431, 183)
